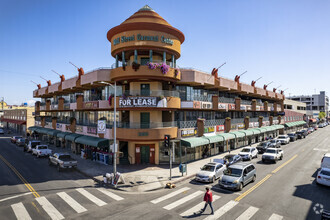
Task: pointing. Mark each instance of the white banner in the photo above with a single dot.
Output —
(101, 126)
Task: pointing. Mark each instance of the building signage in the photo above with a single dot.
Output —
(261, 108)
(188, 133)
(101, 126)
(206, 105)
(187, 104)
(91, 130)
(66, 106)
(265, 123)
(139, 37)
(275, 122)
(197, 104)
(79, 128)
(91, 105)
(233, 127)
(223, 106)
(256, 124)
(209, 129)
(248, 107)
(240, 126)
(137, 101)
(231, 106)
(48, 124)
(243, 107)
(258, 108)
(143, 134)
(58, 126)
(251, 125)
(67, 127)
(220, 128)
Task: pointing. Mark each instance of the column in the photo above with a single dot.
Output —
(164, 57)
(173, 61)
(117, 61)
(135, 56)
(123, 57)
(150, 56)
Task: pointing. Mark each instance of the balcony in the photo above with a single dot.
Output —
(245, 88)
(92, 78)
(279, 96)
(271, 94)
(260, 92)
(226, 84)
(54, 88)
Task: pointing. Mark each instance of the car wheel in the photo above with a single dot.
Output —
(240, 187)
(49, 162)
(58, 168)
(254, 178)
(38, 155)
(275, 160)
(281, 158)
(213, 179)
(263, 160)
(250, 158)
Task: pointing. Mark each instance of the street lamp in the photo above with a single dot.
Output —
(115, 125)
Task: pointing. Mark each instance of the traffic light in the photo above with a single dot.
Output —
(167, 141)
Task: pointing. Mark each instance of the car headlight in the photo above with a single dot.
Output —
(236, 181)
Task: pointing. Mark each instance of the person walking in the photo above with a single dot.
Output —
(208, 200)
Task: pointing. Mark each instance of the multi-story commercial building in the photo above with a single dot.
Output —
(204, 114)
(314, 103)
(18, 119)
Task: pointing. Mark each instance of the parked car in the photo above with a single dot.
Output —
(323, 176)
(210, 172)
(272, 155)
(262, 147)
(325, 162)
(310, 130)
(315, 128)
(285, 139)
(32, 144)
(238, 175)
(15, 138)
(321, 125)
(21, 142)
(41, 150)
(248, 153)
(62, 161)
(231, 159)
(301, 134)
(2, 131)
(275, 143)
(293, 136)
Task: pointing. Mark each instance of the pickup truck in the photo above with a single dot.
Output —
(273, 155)
(31, 145)
(41, 150)
(62, 161)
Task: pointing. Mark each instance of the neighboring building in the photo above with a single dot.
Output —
(314, 103)
(18, 119)
(204, 114)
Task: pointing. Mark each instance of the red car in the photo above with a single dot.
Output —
(15, 138)
(315, 128)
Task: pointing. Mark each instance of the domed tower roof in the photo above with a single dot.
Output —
(146, 19)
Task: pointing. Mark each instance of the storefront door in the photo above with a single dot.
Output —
(145, 154)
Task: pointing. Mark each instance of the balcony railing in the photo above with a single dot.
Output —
(130, 63)
(214, 122)
(254, 119)
(193, 124)
(187, 124)
(237, 120)
(137, 125)
(165, 93)
(226, 100)
(246, 102)
(265, 119)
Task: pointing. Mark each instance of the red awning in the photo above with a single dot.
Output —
(19, 122)
(312, 120)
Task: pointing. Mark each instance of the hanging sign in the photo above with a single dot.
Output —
(137, 101)
(101, 126)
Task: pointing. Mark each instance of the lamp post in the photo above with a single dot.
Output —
(115, 127)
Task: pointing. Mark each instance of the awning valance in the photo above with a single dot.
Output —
(62, 134)
(33, 128)
(237, 134)
(227, 136)
(52, 132)
(42, 130)
(92, 141)
(72, 136)
(194, 141)
(214, 138)
(248, 132)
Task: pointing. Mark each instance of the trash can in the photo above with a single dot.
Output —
(182, 168)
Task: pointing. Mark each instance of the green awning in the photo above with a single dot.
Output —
(262, 129)
(33, 128)
(237, 134)
(62, 134)
(194, 141)
(227, 136)
(270, 128)
(72, 136)
(301, 123)
(278, 126)
(42, 130)
(92, 141)
(247, 132)
(214, 138)
(52, 132)
(289, 124)
(255, 130)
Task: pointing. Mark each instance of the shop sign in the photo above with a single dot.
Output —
(251, 125)
(143, 134)
(58, 126)
(265, 123)
(206, 105)
(233, 127)
(223, 106)
(248, 107)
(256, 124)
(91, 130)
(231, 106)
(240, 126)
(188, 132)
(101, 126)
(67, 127)
(220, 128)
(258, 108)
(261, 108)
(209, 129)
(139, 37)
(79, 128)
(197, 104)
(138, 101)
(48, 124)
(187, 104)
(275, 122)
(91, 104)
(243, 107)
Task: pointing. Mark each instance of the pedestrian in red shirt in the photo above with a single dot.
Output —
(208, 200)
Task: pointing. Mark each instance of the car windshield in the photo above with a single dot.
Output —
(271, 151)
(265, 144)
(22, 139)
(33, 144)
(233, 172)
(208, 168)
(291, 134)
(42, 147)
(18, 138)
(324, 172)
(61, 157)
(229, 157)
(245, 150)
(281, 136)
(273, 141)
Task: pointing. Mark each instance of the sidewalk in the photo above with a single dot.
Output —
(140, 178)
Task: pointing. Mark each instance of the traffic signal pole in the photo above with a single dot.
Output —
(170, 164)
(167, 145)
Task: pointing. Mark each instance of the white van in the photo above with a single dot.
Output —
(325, 162)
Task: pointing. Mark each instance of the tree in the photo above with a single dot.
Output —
(321, 115)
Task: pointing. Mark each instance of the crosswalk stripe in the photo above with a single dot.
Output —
(275, 217)
(49, 208)
(71, 202)
(20, 211)
(92, 198)
(220, 212)
(183, 200)
(248, 213)
(160, 199)
(198, 207)
(110, 194)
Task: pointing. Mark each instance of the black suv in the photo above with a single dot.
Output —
(262, 147)
(293, 136)
(301, 134)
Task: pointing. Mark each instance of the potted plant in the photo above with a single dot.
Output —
(135, 66)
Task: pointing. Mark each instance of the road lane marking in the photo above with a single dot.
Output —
(71, 202)
(318, 149)
(223, 210)
(53, 213)
(20, 176)
(284, 164)
(160, 199)
(20, 211)
(183, 200)
(198, 207)
(13, 197)
(248, 213)
(275, 217)
(110, 194)
(91, 197)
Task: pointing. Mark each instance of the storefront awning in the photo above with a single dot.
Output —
(295, 123)
(72, 136)
(19, 122)
(255, 130)
(278, 126)
(270, 128)
(312, 120)
(214, 138)
(262, 129)
(227, 136)
(247, 132)
(92, 141)
(52, 132)
(194, 141)
(42, 130)
(33, 128)
(62, 134)
(238, 134)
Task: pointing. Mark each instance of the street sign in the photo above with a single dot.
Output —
(101, 126)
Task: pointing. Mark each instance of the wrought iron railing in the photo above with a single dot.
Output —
(237, 120)
(137, 125)
(165, 93)
(246, 102)
(253, 119)
(226, 100)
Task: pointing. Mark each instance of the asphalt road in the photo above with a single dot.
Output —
(285, 190)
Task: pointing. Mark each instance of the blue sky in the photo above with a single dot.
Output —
(283, 41)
